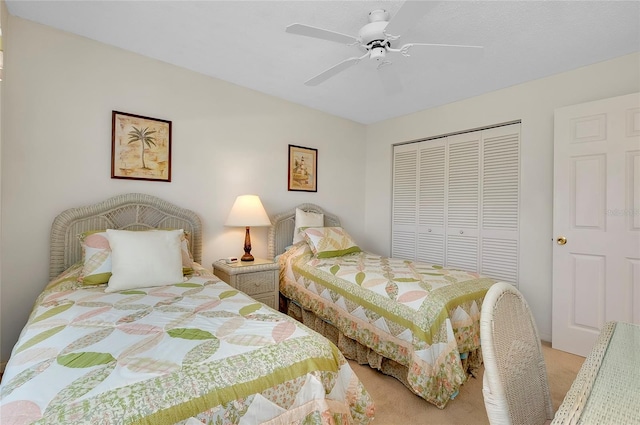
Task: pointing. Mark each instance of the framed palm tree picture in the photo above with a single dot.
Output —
(140, 147)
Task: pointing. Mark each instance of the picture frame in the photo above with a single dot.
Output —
(303, 169)
(140, 147)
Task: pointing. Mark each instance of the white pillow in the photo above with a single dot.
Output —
(141, 259)
(306, 219)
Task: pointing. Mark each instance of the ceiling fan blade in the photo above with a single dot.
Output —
(309, 31)
(390, 80)
(407, 16)
(336, 69)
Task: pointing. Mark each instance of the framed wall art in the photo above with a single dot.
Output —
(303, 169)
(140, 147)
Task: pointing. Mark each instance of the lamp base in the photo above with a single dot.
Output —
(247, 247)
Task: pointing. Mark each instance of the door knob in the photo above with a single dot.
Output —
(561, 240)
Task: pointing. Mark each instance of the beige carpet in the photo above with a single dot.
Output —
(395, 404)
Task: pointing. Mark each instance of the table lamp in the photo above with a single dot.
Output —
(247, 211)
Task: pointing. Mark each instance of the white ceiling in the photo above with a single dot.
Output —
(244, 42)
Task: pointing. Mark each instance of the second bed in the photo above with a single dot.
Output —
(417, 322)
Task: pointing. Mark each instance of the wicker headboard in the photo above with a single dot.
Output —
(131, 211)
(282, 226)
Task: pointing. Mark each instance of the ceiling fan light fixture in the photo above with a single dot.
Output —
(378, 54)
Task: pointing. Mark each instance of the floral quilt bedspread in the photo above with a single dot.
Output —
(198, 350)
(422, 316)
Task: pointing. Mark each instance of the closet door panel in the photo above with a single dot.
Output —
(500, 179)
(500, 203)
(463, 192)
(462, 252)
(431, 248)
(463, 201)
(500, 259)
(405, 202)
(431, 202)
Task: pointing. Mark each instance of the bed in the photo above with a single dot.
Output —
(417, 322)
(192, 350)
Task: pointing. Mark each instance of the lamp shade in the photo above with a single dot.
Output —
(247, 211)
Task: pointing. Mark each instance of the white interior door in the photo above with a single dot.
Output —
(596, 272)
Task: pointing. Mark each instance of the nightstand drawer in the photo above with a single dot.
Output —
(259, 279)
(257, 282)
(268, 299)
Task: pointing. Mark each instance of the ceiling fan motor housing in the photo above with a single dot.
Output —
(374, 30)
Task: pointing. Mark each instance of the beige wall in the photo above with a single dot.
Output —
(3, 25)
(227, 141)
(533, 103)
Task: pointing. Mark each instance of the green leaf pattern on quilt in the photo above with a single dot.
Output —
(40, 337)
(188, 285)
(85, 359)
(248, 309)
(53, 311)
(186, 333)
(133, 292)
(227, 294)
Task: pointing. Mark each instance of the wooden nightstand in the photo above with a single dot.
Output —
(258, 279)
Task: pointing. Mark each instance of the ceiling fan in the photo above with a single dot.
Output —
(377, 40)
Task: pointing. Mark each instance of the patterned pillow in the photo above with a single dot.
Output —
(328, 242)
(305, 219)
(96, 257)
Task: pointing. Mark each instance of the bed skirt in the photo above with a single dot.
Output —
(353, 350)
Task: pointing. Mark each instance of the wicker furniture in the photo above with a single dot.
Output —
(282, 226)
(257, 278)
(515, 384)
(130, 211)
(607, 387)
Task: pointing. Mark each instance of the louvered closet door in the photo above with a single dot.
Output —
(456, 201)
(431, 203)
(500, 203)
(463, 201)
(404, 208)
